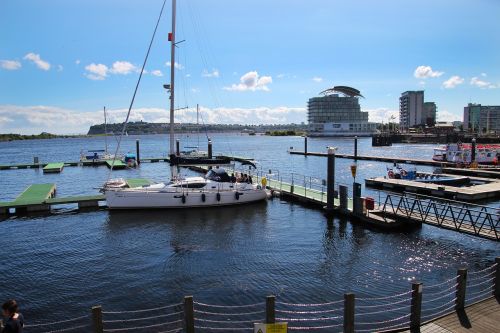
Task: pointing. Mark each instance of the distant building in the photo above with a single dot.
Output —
(411, 104)
(458, 124)
(429, 114)
(481, 118)
(335, 115)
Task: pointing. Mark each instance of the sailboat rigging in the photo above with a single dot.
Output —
(217, 188)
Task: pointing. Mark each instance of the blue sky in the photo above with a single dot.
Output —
(243, 62)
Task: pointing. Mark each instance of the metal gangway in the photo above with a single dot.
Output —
(478, 220)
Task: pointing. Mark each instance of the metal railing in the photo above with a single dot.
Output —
(474, 219)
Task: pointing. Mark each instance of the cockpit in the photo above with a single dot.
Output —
(218, 175)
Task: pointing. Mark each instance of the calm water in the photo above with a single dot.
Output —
(234, 255)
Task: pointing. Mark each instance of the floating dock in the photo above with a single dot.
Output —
(53, 168)
(116, 165)
(41, 198)
(378, 158)
(471, 193)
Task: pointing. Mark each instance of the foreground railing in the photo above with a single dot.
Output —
(408, 309)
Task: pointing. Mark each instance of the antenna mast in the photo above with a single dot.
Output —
(172, 78)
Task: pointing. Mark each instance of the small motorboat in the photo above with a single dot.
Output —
(398, 172)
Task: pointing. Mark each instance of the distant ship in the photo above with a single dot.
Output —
(335, 115)
(461, 153)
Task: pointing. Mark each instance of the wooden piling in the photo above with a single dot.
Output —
(497, 277)
(270, 313)
(97, 319)
(189, 314)
(461, 287)
(416, 306)
(349, 313)
(305, 145)
(330, 180)
(355, 149)
(137, 151)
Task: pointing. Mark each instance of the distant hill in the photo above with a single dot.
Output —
(43, 135)
(139, 128)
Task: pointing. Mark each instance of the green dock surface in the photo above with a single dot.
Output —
(53, 167)
(34, 195)
(137, 182)
(117, 165)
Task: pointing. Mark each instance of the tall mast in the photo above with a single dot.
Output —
(105, 131)
(197, 124)
(172, 78)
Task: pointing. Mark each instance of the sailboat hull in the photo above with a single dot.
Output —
(190, 199)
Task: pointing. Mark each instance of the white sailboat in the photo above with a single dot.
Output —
(217, 188)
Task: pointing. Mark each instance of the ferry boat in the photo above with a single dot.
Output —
(461, 153)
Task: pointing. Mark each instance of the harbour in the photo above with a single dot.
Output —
(190, 208)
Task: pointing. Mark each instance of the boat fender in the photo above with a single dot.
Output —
(263, 182)
(237, 195)
(203, 197)
(404, 173)
(218, 196)
(183, 199)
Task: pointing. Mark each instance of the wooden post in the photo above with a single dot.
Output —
(497, 277)
(343, 197)
(349, 313)
(460, 293)
(209, 148)
(137, 151)
(355, 149)
(97, 319)
(330, 179)
(357, 207)
(416, 306)
(270, 317)
(189, 314)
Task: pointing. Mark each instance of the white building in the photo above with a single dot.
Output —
(335, 115)
(411, 104)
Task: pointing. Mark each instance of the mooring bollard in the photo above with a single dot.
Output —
(461, 287)
(97, 319)
(416, 306)
(270, 314)
(137, 151)
(189, 314)
(349, 313)
(497, 277)
(330, 179)
(343, 193)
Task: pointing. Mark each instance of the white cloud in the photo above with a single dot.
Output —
(77, 61)
(157, 72)
(176, 65)
(453, 81)
(383, 115)
(424, 72)
(483, 74)
(35, 58)
(317, 79)
(96, 71)
(213, 73)
(36, 119)
(475, 81)
(10, 65)
(445, 115)
(123, 68)
(251, 81)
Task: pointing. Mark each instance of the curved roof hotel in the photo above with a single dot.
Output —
(338, 115)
